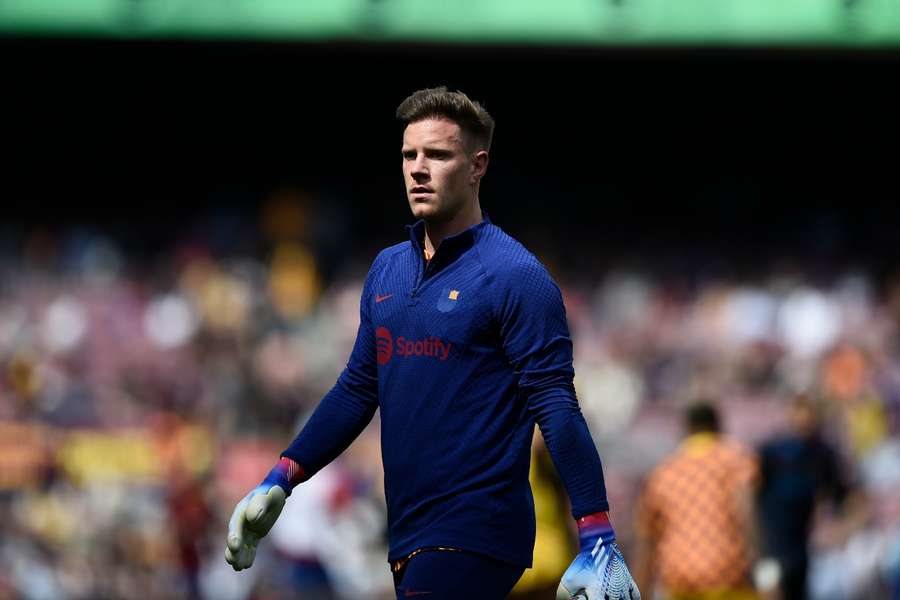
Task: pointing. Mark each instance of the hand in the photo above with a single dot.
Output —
(599, 571)
(254, 516)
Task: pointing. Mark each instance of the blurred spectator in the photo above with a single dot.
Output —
(556, 537)
(695, 517)
(798, 469)
(191, 519)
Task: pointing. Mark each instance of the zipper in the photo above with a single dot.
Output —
(420, 277)
(421, 274)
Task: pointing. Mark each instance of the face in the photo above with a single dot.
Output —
(440, 174)
(803, 419)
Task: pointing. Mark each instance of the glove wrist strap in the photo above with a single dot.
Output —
(594, 528)
(287, 474)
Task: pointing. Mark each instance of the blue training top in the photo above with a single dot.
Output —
(462, 354)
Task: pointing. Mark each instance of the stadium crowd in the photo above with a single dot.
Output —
(140, 399)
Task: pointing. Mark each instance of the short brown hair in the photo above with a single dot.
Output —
(437, 102)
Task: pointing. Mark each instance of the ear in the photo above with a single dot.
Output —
(479, 165)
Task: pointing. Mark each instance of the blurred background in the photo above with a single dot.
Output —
(192, 193)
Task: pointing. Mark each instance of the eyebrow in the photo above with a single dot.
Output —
(427, 148)
(451, 140)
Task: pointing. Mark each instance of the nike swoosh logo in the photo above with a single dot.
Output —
(379, 299)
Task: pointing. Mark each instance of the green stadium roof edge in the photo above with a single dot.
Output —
(874, 23)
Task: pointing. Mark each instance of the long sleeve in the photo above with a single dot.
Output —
(347, 408)
(537, 343)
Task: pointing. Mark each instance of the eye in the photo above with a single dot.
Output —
(409, 155)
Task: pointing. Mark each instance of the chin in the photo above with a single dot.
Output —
(422, 211)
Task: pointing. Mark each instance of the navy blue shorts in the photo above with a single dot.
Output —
(451, 575)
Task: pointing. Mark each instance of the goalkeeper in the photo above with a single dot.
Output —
(463, 345)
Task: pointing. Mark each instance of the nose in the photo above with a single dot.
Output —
(419, 169)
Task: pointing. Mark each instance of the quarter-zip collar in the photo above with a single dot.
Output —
(451, 246)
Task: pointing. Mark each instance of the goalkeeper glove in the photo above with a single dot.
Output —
(255, 514)
(599, 571)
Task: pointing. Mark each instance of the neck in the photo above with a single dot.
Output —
(436, 232)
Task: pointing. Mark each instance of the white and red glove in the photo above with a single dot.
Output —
(257, 512)
(599, 571)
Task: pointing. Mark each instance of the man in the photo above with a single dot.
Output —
(695, 516)
(799, 469)
(463, 345)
